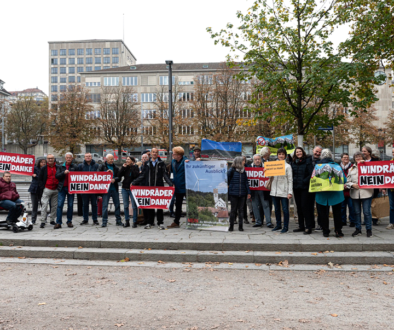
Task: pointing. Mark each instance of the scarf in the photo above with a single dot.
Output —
(240, 171)
(345, 167)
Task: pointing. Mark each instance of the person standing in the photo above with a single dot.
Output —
(34, 189)
(347, 203)
(48, 183)
(89, 165)
(129, 171)
(312, 196)
(281, 192)
(196, 154)
(153, 173)
(302, 171)
(391, 201)
(113, 191)
(369, 157)
(265, 157)
(62, 175)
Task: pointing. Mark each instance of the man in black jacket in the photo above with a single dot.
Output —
(153, 173)
(62, 176)
(113, 191)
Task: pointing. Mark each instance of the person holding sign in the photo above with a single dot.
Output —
(360, 197)
(391, 200)
(281, 192)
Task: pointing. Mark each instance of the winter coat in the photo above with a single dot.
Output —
(104, 168)
(352, 178)
(8, 191)
(238, 183)
(43, 176)
(282, 185)
(302, 172)
(345, 169)
(330, 197)
(85, 167)
(129, 173)
(34, 188)
(60, 173)
(179, 179)
(153, 176)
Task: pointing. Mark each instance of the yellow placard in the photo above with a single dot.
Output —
(276, 168)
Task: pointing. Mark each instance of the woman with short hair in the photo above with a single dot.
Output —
(34, 189)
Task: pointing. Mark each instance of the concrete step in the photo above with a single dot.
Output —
(258, 257)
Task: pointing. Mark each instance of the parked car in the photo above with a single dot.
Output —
(79, 158)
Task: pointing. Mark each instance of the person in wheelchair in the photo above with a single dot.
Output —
(9, 198)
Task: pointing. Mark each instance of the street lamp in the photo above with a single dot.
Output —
(169, 66)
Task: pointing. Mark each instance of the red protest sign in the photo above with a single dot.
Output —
(17, 163)
(153, 197)
(256, 178)
(89, 182)
(373, 175)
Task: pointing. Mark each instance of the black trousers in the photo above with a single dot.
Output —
(150, 214)
(178, 207)
(324, 212)
(305, 216)
(237, 206)
(311, 209)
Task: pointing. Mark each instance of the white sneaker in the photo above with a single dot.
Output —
(390, 226)
(161, 227)
(147, 227)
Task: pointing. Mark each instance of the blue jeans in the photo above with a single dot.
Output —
(261, 207)
(115, 197)
(126, 193)
(391, 200)
(347, 202)
(85, 210)
(61, 198)
(366, 205)
(278, 214)
(14, 211)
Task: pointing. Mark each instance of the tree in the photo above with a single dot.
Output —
(119, 116)
(287, 47)
(27, 121)
(389, 128)
(71, 123)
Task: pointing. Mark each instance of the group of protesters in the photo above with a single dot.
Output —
(295, 184)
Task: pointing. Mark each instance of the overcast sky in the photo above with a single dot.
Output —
(155, 30)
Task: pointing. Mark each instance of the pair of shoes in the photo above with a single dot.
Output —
(326, 233)
(298, 230)
(246, 222)
(390, 226)
(42, 225)
(240, 229)
(103, 225)
(84, 223)
(369, 233)
(161, 227)
(57, 226)
(231, 228)
(70, 225)
(96, 223)
(270, 225)
(256, 225)
(308, 232)
(277, 227)
(339, 233)
(284, 230)
(127, 224)
(148, 226)
(134, 225)
(173, 225)
(357, 232)
(319, 228)
(352, 224)
(53, 223)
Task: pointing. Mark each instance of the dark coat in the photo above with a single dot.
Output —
(84, 167)
(34, 188)
(43, 176)
(105, 168)
(8, 191)
(179, 179)
(238, 183)
(302, 172)
(153, 176)
(130, 173)
(60, 173)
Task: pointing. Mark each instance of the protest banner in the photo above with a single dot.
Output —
(206, 195)
(327, 177)
(286, 142)
(17, 163)
(375, 175)
(212, 150)
(276, 168)
(152, 197)
(89, 182)
(257, 179)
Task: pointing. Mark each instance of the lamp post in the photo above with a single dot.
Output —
(169, 65)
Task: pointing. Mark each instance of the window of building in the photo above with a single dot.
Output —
(115, 59)
(97, 68)
(115, 66)
(148, 114)
(63, 52)
(115, 51)
(71, 61)
(205, 79)
(111, 81)
(89, 68)
(187, 113)
(71, 70)
(185, 82)
(54, 52)
(63, 70)
(186, 130)
(164, 80)
(185, 97)
(63, 80)
(78, 79)
(54, 80)
(63, 88)
(97, 60)
(54, 70)
(71, 52)
(94, 97)
(134, 97)
(71, 79)
(93, 84)
(107, 60)
(130, 81)
(54, 61)
(80, 69)
(148, 97)
(107, 51)
(97, 51)
(80, 60)
(89, 51)
(106, 67)
(63, 61)
(150, 130)
(54, 97)
(54, 88)
(89, 60)
(80, 51)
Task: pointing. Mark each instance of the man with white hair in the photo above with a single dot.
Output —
(62, 175)
(113, 191)
(265, 154)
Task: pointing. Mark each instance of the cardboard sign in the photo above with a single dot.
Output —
(327, 177)
(374, 175)
(17, 163)
(153, 197)
(89, 182)
(257, 179)
(276, 168)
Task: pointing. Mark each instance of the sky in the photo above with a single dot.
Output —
(154, 31)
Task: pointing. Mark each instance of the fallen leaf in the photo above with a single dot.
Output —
(80, 247)
(42, 304)
(230, 263)
(21, 257)
(246, 266)
(332, 251)
(258, 265)
(326, 251)
(161, 262)
(314, 254)
(119, 325)
(171, 281)
(334, 315)
(140, 263)
(278, 252)
(247, 251)
(385, 283)
(330, 264)
(284, 263)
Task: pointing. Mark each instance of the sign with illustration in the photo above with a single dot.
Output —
(327, 177)
(286, 142)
